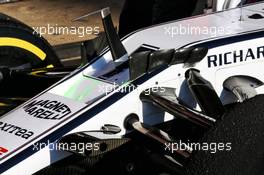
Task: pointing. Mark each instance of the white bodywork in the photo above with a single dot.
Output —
(163, 37)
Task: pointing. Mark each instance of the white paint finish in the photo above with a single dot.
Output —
(130, 103)
(38, 126)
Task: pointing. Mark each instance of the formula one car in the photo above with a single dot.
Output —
(131, 109)
(28, 61)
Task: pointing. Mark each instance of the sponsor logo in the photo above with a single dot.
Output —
(47, 109)
(16, 130)
(236, 56)
(3, 150)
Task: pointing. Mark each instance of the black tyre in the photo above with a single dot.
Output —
(21, 46)
(243, 127)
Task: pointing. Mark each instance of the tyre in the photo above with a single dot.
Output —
(21, 47)
(243, 127)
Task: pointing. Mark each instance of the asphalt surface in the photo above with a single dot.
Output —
(60, 13)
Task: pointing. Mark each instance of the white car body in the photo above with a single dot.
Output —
(245, 37)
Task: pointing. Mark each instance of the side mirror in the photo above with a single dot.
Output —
(118, 51)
